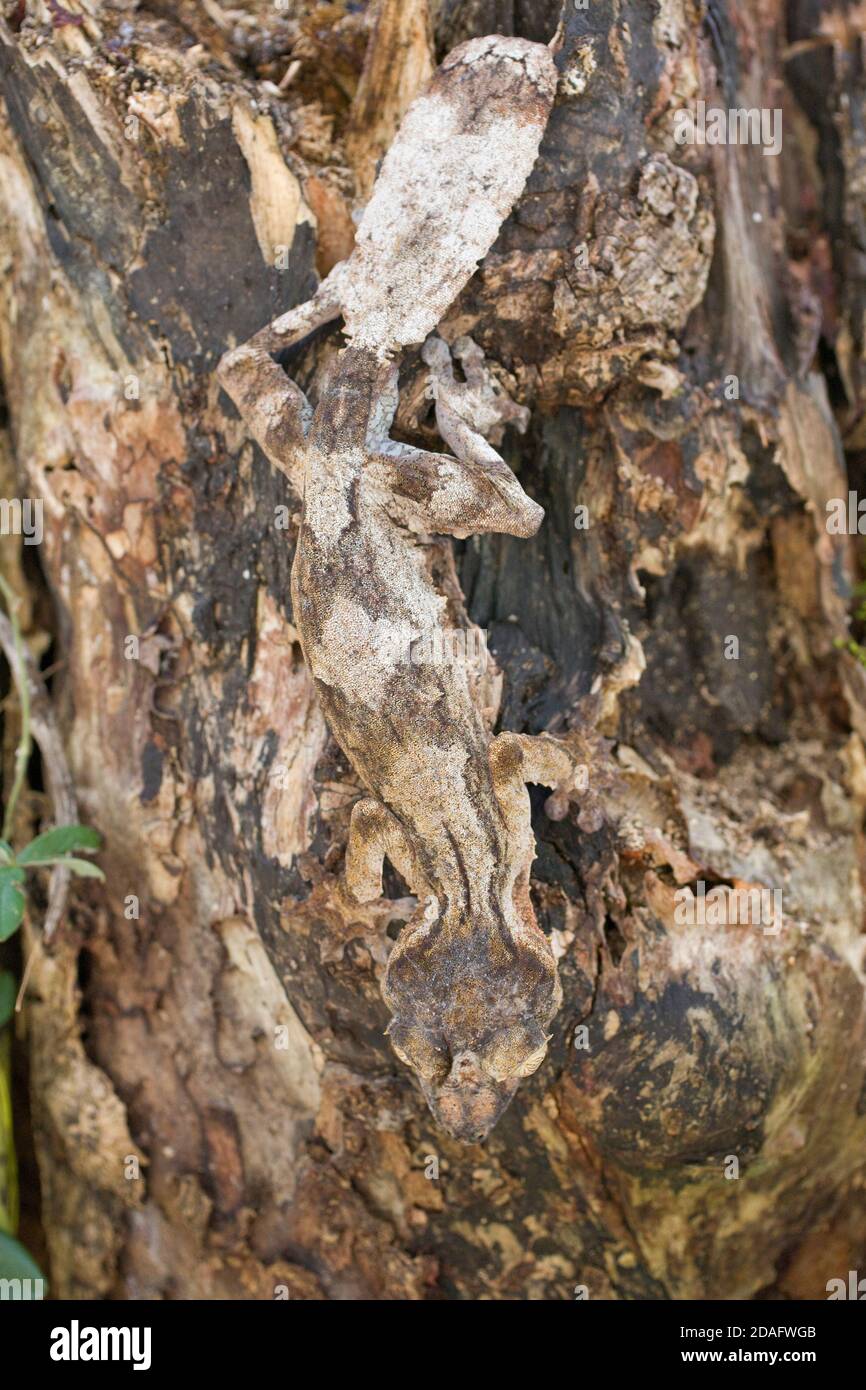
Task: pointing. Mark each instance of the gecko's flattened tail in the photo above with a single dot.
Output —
(457, 166)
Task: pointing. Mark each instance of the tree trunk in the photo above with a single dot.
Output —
(216, 1110)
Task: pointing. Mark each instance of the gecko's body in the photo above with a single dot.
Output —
(471, 980)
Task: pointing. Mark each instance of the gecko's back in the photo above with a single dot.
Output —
(408, 721)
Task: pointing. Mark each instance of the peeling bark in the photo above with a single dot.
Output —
(153, 165)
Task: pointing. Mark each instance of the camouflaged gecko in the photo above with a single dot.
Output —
(472, 981)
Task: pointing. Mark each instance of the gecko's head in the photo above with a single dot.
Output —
(472, 1029)
(467, 1088)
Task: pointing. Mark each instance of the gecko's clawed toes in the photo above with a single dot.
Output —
(556, 805)
(575, 789)
(590, 817)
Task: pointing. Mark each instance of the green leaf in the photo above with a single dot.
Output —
(16, 1263)
(60, 840)
(7, 853)
(8, 995)
(82, 867)
(11, 901)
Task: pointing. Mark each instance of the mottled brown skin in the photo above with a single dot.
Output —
(472, 981)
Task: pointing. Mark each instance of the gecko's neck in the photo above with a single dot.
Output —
(469, 875)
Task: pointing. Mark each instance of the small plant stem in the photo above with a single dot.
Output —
(22, 752)
(25, 978)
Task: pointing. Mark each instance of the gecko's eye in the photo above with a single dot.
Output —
(517, 1051)
(423, 1051)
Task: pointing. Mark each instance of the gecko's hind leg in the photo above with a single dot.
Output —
(545, 761)
(289, 328)
(455, 497)
(473, 412)
(488, 398)
(275, 409)
(374, 833)
(464, 494)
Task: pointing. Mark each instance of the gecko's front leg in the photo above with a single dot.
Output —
(374, 834)
(541, 759)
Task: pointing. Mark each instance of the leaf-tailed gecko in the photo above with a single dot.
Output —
(471, 981)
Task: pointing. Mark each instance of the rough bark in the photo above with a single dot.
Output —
(154, 168)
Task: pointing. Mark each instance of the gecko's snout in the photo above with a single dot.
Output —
(468, 1104)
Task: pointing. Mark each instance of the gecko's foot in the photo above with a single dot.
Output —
(585, 787)
(574, 789)
(590, 816)
(350, 920)
(479, 402)
(567, 767)
(468, 414)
